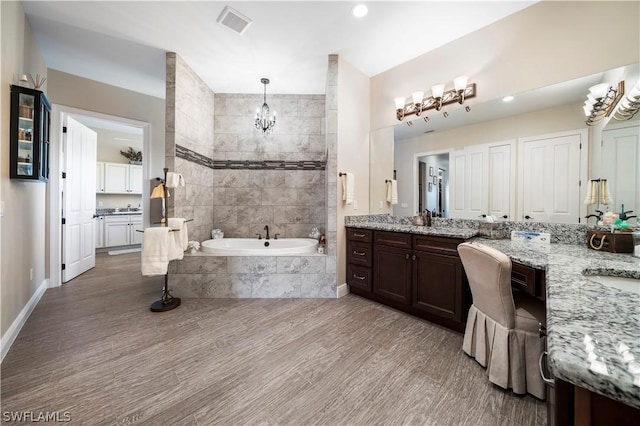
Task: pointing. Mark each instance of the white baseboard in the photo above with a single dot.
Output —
(342, 290)
(11, 334)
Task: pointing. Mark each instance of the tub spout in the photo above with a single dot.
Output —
(266, 228)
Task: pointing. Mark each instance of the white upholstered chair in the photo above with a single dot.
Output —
(502, 326)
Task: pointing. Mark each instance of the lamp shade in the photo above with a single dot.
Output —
(158, 191)
(417, 97)
(437, 91)
(599, 90)
(399, 102)
(460, 83)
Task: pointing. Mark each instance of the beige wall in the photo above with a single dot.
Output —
(381, 169)
(352, 149)
(23, 227)
(77, 92)
(547, 43)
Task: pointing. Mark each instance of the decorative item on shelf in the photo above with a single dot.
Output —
(630, 105)
(38, 81)
(24, 81)
(134, 157)
(601, 100)
(437, 100)
(193, 246)
(263, 120)
(322, 243)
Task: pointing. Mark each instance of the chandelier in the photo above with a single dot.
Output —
(437, 100)
(263, 121)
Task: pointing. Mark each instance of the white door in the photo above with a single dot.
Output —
(78, 236)
(501, 182)
(457, 165)
(468, 182)
(550, 170)
(620, 157)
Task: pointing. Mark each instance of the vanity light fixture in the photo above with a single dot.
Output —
(601, 100)
(263, 121)
(439, 97)
(630, 105)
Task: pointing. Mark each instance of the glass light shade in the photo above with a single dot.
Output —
(460, 83)
(590, 99)
(634, 93)
(437, 91)
(625, 103)
(417, 97)
(599, 90)
(399, 102)
(587, 111)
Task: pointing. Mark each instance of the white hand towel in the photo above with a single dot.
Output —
(392, 191)
(605, 197)
(174, 180)
(155, 252)
(592, 193)
(180, 233)
(348, 188)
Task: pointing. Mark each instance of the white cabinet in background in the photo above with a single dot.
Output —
(121, 178)
(482, 182)
(99, 177)
(121, 230)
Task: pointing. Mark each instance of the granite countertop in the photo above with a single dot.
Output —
(113, 212)
(420, 230)
(578, 307)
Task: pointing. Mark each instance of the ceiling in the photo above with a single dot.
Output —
(123, 43)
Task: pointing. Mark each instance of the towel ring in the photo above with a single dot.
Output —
(342, 174)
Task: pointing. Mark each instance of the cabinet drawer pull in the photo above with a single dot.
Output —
(358, 253)
(406, 256)
(359, 235)
(358, 277)
(413, 257)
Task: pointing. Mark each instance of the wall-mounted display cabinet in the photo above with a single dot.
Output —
(29, 134)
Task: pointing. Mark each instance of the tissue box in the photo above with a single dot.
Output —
(616, 242)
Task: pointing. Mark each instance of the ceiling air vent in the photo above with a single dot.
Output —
(234, 20)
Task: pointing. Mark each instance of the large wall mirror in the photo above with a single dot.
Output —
(529, 159)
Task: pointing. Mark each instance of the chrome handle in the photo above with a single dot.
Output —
(276, 237)
(528, 217)
(358, 277)
(549, 382)
(357, 253)
(259, 236)
(359, 235)
(505, 217)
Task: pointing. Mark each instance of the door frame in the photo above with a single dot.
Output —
(54, 189)
(584, 165)
(414, 180)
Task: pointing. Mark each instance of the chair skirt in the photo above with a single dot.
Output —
(510, 355)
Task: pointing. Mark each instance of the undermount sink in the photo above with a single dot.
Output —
(625, 284)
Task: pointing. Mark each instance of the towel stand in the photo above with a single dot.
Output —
(158, 223)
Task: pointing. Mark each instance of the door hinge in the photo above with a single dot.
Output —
(579, 220)
(64, 221)
(580, 145)
(64, 129)
(580, 182)
(64, 266)
(64, 175)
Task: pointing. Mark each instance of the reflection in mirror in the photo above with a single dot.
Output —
(488, 143)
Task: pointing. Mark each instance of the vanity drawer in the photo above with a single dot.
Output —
(359, 235)
(359, 277)
(523, 278)
(359, 253)
(433, 244)
(392, 239)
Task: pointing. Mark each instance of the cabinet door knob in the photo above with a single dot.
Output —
(505, 217)
(528, 217)
(413, 257)
(357, 253)
(406, 256)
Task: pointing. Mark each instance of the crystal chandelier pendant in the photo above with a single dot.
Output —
(264, 120)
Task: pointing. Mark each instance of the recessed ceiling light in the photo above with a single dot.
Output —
(507, 98)
(360, 10)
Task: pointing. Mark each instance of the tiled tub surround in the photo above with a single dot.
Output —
(201, 275)
(576, 306)
(267, 191)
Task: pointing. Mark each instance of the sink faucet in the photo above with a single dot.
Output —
(266, 228)
(597, 216)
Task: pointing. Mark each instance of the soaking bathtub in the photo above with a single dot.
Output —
(256, 247)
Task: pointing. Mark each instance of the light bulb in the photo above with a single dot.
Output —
(437, 91)
(399, 102)
(460, 83)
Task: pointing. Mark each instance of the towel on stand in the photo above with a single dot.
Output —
(174, 180)
(348, 187)
(592, 192)
(155, 251)
(180, 235)
(392, 191)
(605, 197)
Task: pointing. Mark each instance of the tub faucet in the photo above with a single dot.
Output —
(266, 228)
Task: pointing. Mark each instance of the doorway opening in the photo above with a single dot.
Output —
(98, 199)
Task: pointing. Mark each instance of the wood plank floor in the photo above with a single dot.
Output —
(93, 349)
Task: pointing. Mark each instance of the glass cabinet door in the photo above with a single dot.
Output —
(30, 121)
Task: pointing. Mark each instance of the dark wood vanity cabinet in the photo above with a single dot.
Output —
(421, 275)
(528, 280)
(359, 259)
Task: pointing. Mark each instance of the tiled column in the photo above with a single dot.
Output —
(332, 157)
